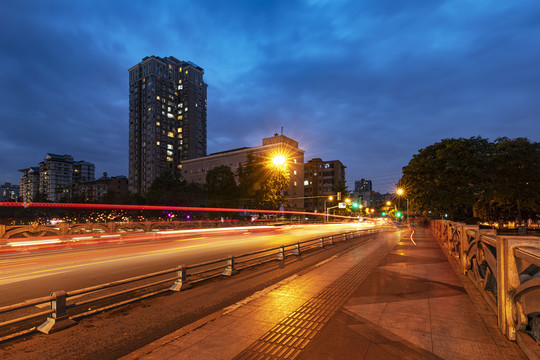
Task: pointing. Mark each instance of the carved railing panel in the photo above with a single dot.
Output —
(506, 269)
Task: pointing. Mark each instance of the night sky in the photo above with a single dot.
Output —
(365, 82)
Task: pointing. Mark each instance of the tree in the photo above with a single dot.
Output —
(516, 167)
(449, 176)
(500, 180)
(172, 189)
(263, 184)
(221, 188)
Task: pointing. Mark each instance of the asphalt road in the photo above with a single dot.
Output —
(35, 274)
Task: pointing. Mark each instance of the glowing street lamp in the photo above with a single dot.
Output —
(279, 160)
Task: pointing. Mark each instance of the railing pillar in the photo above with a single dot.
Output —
(59, 319)
(181, 282)
(331, 242)
(296, 250)
(321, 243)
(230, 270)
(281, 253)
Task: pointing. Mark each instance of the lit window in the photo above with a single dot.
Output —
(306, 182)
(179, 166)
(185, 109)
(169, 146)
(158, 143)
(179, 69)
(158, 98)
(158, 123)
(294, 172)
(179, 130)
(169, 152)
(179, 117)
(170, 116)
(169, 158)
(295, 183)
(170, 134)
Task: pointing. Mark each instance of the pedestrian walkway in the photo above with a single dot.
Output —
(386, 299)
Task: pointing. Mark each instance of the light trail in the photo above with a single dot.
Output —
(412, 236)
(161, 208)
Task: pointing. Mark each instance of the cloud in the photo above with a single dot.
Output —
(367, 83)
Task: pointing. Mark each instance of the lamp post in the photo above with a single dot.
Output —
(401, 192)
(330, 198)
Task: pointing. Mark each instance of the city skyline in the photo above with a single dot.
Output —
(366, 84)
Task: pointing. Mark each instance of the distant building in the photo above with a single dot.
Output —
(56, 174)
(9, 192)
(95, 191)
(167, 118)
(320, 178)
(362, 185)
(29, 184)
(195, 170)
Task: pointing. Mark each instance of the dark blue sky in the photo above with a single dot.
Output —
(365, 82)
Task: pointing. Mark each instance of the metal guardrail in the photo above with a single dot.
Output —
(506, 269)
(184, 277)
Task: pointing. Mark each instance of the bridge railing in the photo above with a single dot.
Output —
(65, 307)
(506, 270)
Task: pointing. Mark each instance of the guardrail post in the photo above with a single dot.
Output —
(181, 283)
(230, 270)
(296, 250)
(281, 253)
(59, 319)
(331, 240)
(321, 243)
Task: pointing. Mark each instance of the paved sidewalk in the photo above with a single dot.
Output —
(387, 299)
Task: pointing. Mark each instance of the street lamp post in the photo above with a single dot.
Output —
(401, 192)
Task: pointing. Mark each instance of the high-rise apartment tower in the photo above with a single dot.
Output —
(167, 118)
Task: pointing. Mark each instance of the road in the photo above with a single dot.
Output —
(36, 274)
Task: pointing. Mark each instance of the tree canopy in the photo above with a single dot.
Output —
(262, 184)
(459, 176)
(221, 187)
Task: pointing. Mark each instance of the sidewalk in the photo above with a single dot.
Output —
(387, 299)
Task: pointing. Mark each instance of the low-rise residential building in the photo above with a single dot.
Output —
(95, 191)
(55, 177)
(195, 170)
(29, 184)
(9, 192)
(320, 178)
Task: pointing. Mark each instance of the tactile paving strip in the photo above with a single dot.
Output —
(288, 338)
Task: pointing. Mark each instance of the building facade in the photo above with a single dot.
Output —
(167, 118)
(195, 170)
(9, 192)
(29, 184)
(54, 178)
(363, 185)
(95, 191)
(320, 178)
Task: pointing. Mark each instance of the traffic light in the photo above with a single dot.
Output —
(355, 205)
(398, 214)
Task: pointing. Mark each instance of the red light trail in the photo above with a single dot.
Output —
(158, 207)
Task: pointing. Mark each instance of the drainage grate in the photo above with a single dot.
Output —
(288, 338)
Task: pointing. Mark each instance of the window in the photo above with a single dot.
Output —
(169, 158)
(294, 172)
(306, 182)
(295, 183)
(169, 146)
(170, 134)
